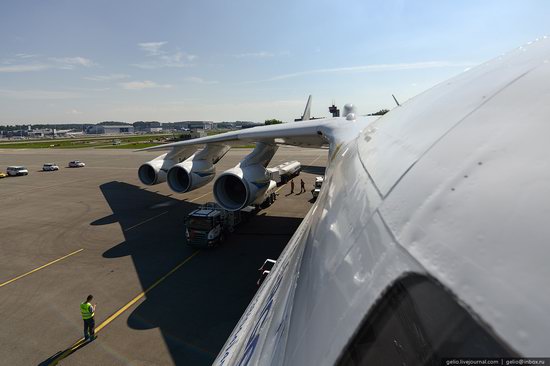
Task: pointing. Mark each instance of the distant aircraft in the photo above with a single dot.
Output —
(306, 116)
(430, 237)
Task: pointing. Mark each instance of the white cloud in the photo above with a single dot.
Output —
(74, 112)
(197, 80)
(24, 67)
(162, 58)
(38, 94)
(261, 54)
(152, 48)
(26, 55)
(71, 62)
(109, 77)
(177, 59)
(96, 90)
(373, 68)
(64, 63)
(140, 85)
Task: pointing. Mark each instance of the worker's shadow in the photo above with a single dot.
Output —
(53, 360)
(196, 306)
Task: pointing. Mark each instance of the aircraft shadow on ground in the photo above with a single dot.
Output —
(197, 307)
(313, 169)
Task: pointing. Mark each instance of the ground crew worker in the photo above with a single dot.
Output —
(292, 186)
(87, 310)
(302, 186)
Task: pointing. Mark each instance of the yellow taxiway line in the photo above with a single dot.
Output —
(142, 294)
(81, 342)
(194, 199)
(39, 268)
(145, 221)
(160, 214)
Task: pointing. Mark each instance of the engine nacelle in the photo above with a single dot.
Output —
(190, 175)
(154, 171)
(239, 187)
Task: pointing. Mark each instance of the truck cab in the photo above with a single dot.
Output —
(209, 224)
(204, 227)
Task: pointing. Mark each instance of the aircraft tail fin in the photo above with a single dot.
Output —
(307, 111)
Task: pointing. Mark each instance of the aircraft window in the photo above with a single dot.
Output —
(418, 322)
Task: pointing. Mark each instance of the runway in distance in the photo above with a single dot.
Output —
(430, 236)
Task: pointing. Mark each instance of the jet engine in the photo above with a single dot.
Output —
(192, 169)
(247, 183)
(190, 175)
(154, 171)
(239, 187)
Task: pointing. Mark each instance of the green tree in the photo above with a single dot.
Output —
(272, 122)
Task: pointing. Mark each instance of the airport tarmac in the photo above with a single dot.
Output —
(98, 230)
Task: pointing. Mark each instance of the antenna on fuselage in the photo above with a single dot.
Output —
(396, 102)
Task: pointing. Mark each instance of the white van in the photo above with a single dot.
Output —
(17, 170)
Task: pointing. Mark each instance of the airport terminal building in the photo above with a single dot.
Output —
(110, 130)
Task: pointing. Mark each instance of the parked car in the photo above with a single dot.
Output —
(3, 175)
(48, 167)
(17, 170)
(76, 164)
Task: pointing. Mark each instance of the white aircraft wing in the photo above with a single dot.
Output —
(313, 133)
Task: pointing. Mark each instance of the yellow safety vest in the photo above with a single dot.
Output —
(85, 310)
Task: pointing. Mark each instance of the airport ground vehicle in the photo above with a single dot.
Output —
(209, 224)
(264, 270)
(76, 164)
(317, 186)
(284, 172)
(48, 167)
(3, 175)
(17, 170)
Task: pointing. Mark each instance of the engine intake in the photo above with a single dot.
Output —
(239, 187)
(154, 171)
(178, 179)
(190, 175)
(231, 192)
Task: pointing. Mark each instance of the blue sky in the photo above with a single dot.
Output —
(167, 60)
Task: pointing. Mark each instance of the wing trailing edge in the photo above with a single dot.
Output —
(313, 134)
